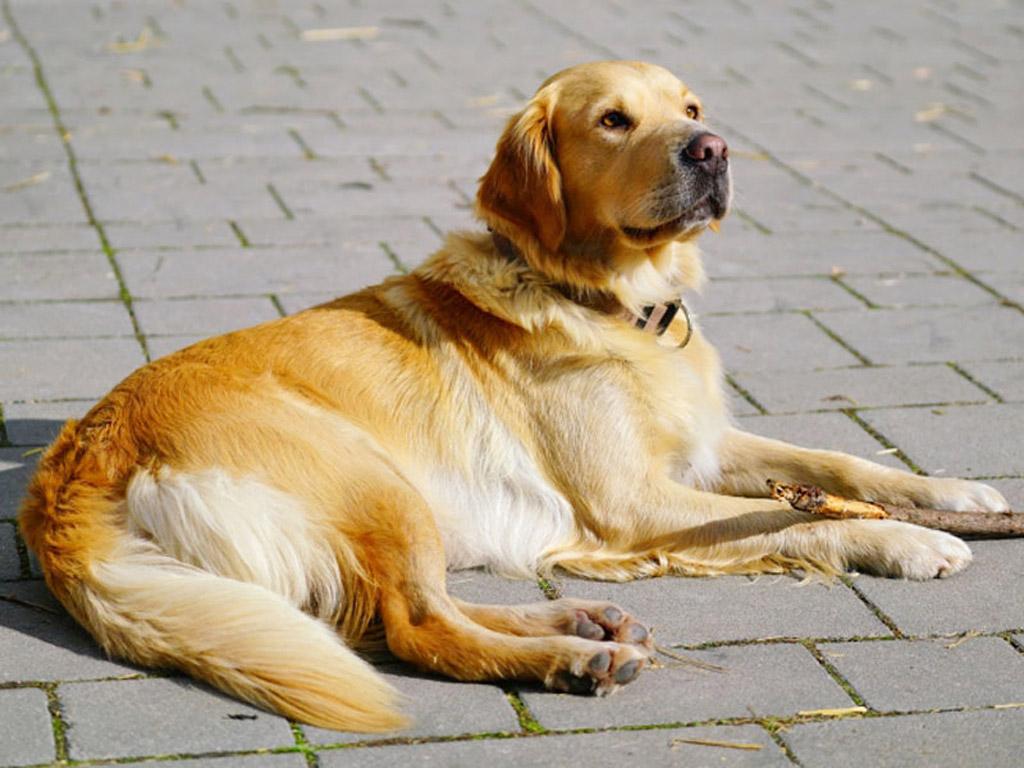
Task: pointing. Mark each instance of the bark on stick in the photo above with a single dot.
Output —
(974, 524)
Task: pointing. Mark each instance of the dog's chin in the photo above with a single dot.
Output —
(687, 224)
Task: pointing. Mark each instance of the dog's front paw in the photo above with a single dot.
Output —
(911, 552)
(943, 493)
(936, 554)
(965, 495)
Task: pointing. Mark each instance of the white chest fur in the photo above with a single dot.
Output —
(498, 510)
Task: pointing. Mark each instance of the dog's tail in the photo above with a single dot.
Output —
(146, 607)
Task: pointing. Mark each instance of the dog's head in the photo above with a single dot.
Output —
(606, 166)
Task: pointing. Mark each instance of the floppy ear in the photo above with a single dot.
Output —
(520, 196)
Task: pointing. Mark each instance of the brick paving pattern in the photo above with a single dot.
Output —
(171, 169)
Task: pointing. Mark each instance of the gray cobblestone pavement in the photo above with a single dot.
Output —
(170, 169)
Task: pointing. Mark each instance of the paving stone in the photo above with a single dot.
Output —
(956, 440)
(15, 470)
(780, 214)
(778, 295)
(826, 431)
(373, 198)
(296, 302)
(1012, 489)
(257, 172)
(209, 316)
(736, 254)
(161, 346)
(738, 404)
(159, 190)
(1009, 286)
(59, 236)
(477, 586)
(39, 369)
(56, 276)
(861, 387)
(249, 271)
(39, 423)
(944, 740)
(411, 238)
(64, 319)
(766, 342)
(930, 335)
(47, 645)
(658, 747)
(881, 183)
(162, 716)
(438, 167)
(777, 679)
(10, 568)
(984, 598)
(281, 760)
(176, 203)
(38, 193)
(33, 593)
(172, 234)
(26, 736)
(920, 675)
(928, 216)
(247, 136)
(919, 290)
(996, 251)
(332, 144)
(438, 707)
(687, 611)
(30, 140)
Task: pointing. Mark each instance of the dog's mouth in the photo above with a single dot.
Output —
(698, 215)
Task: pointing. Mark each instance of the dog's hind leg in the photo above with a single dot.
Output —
(424, 626)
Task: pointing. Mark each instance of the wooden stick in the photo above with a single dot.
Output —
(974, 523)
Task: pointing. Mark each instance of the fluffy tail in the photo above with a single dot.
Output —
(239, 637)
(146, 607)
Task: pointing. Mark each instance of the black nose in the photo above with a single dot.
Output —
(708, 152)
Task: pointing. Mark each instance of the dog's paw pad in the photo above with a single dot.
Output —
(627, 671)
(598, 672)
(600, 663)
(588, 629)
(634, 633)
(613, 616)
(603, 621)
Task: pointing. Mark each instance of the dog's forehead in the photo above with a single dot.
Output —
(611, 81)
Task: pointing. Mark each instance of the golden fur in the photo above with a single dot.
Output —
(238, 509)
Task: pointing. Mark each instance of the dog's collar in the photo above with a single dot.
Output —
(654, 318)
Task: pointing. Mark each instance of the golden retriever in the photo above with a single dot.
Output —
(246, 509)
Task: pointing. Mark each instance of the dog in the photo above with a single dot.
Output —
(248, 509)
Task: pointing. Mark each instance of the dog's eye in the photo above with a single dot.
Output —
(693, 111)
(615, 120)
